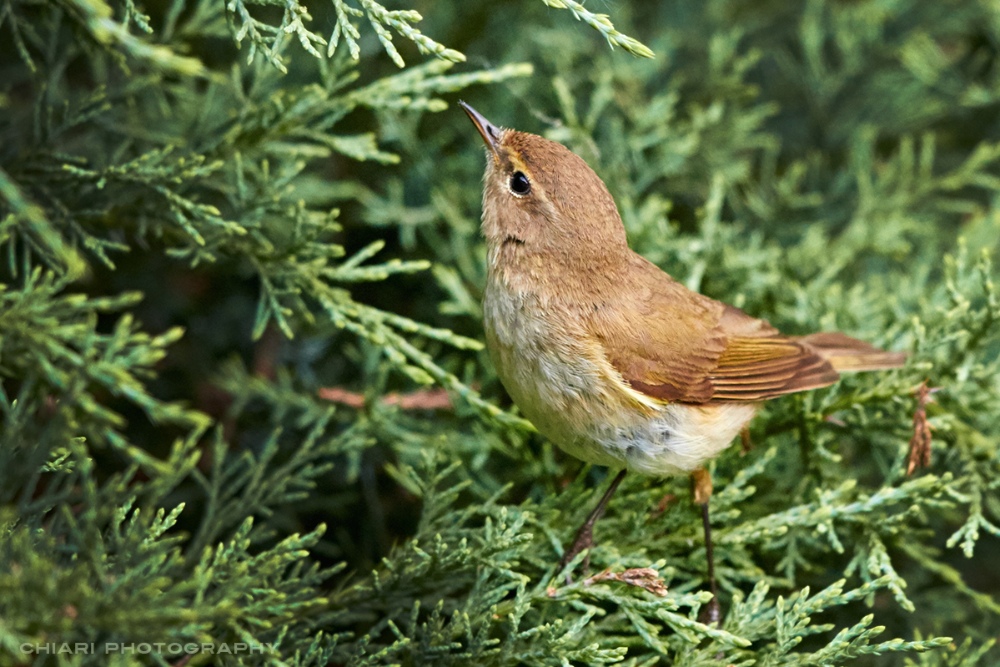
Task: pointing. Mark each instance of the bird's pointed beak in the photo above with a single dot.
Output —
(489, 131)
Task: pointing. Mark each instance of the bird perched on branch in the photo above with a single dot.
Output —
(608, 356)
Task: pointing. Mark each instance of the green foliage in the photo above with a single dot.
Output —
(244, 402)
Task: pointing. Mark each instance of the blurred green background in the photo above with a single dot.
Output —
(823, 165)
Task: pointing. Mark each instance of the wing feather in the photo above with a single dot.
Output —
(676, 345)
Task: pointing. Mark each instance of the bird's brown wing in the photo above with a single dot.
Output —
(676, 345)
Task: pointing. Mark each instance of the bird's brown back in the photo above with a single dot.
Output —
(676, 345)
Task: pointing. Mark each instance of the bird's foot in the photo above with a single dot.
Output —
(746, 444)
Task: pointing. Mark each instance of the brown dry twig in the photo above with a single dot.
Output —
(643, 577)
(423, 399)
(920, 442)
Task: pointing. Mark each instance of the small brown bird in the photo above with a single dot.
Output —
(607, 355)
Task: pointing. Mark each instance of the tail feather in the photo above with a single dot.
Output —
(848, 354)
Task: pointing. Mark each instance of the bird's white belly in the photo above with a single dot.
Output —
(576, 399)
(678, 439)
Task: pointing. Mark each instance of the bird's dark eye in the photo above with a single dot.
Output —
(519, 183)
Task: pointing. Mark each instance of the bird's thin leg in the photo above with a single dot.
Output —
(701, 488)
(585, 535)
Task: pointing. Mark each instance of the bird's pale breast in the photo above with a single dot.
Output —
(563, 383)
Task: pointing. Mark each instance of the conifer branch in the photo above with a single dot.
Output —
(602, 24)
(197, 248)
